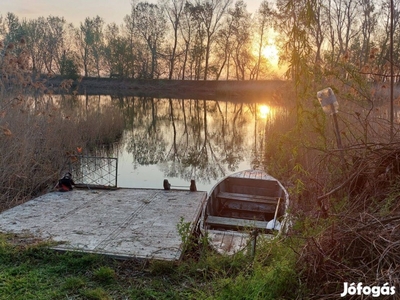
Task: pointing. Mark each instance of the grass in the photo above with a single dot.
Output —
(35, 272)
(32, 271)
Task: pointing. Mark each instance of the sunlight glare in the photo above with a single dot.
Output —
(271, 53)
(264, 111)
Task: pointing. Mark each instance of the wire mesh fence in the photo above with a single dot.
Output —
(94, 171)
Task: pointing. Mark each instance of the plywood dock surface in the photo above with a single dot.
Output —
(125, 223)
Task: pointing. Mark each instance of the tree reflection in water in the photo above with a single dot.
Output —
(192, 139)
(183, 139)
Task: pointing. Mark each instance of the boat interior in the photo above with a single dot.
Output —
(239, 203)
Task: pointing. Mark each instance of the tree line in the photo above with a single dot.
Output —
(209, 40)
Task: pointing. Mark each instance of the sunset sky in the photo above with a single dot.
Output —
(75, 11)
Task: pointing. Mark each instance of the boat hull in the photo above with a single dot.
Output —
(241, 204)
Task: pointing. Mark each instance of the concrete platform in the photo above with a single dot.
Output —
(123, 223)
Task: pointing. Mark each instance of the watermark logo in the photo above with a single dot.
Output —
(374, 291)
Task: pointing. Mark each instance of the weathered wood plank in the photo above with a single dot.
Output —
(253, 186)
(228, 242)
(124, 223)
(235, 223)
(248, 198)
(252, 174)
(250, 211)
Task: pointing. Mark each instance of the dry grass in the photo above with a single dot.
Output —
(361, 247)
(36, 142)
(355, 238)
(38, 133)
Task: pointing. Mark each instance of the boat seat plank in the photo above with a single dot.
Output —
(236, 223)
(248, 198)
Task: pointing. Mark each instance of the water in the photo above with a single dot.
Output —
(184, 139)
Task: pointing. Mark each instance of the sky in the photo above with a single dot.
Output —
(75, 11)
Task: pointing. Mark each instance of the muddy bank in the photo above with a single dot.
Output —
(171, 88)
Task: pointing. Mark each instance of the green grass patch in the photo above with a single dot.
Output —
(35, 272)
(105, 275)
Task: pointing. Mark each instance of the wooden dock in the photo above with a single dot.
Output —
(122, 223)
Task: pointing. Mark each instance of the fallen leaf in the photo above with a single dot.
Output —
(6, 131)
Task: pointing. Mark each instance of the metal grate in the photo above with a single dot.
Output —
(94, 172)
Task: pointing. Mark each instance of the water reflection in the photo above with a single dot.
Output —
(184, 139)
(264, 111)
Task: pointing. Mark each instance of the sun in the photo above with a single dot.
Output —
(271, 53)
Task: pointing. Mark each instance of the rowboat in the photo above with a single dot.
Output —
(243, 203)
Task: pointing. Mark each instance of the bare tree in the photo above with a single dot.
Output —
(368, 24)
(242, 38)
(150, 24)
(198, 45)
(186, 30)
(89, 41)
(83, 39)
(344, 25)
(318, 30)
(174, 10)
(130, 28)
(210, 13)
(34, 36)
(116, 52)
(54, 37)
(224, 43)
(383, 36)
(97, 43)
(263, 23)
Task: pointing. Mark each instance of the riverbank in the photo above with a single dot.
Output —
(202, 274)
(192, 89)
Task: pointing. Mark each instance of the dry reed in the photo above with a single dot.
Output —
(37, 134)
(346, 206)
(35, 144)
(361, 242)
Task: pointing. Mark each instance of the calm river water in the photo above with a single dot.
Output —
(184, 139)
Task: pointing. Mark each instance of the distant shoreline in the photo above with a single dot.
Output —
(194, 89)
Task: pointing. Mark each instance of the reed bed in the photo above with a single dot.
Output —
(38, 131)
(36, 140)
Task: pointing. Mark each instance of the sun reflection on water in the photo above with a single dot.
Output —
(264, 111)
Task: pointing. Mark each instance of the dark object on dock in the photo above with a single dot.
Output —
(65, 184)
(167, 185)
(247, 200)
(193, 187)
